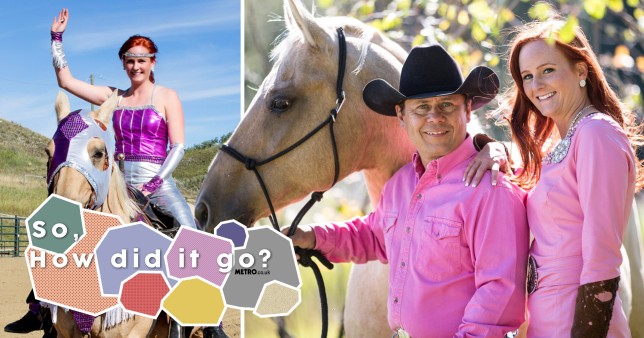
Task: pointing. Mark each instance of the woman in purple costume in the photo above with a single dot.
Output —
(148, 116)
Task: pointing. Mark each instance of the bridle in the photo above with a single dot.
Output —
(252, 164)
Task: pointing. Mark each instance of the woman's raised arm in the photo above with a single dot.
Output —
(88, 92)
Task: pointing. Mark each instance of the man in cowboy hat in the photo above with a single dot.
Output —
(457, 254)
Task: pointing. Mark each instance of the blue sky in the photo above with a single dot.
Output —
(199, 57)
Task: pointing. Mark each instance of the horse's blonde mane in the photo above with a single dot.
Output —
(118, 199)
(353, 28)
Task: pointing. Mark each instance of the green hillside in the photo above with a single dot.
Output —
(23, 167)
(194, 165)
(21, 149)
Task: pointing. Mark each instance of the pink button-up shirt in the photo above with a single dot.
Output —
(457, 254)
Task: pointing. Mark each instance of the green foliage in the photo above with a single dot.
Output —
(615, 5)
(391, 21)
(567, 32)
(403, 5)
(540, 11)
(595, 8)
(365, 7)
(325, 3)
(217, 141)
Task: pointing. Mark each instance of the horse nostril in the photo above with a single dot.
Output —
(201, 214)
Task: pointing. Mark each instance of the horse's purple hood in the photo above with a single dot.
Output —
(70, 150)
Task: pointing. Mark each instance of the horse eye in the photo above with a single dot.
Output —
(280, 104)
(98, 154)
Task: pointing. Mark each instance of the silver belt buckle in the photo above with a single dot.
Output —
(400, 333)
(512, 334)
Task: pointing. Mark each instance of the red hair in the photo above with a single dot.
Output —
(530, 129)
(139, 40)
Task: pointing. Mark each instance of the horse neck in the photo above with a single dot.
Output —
(118, 202)
(386, 158)
(386, 146)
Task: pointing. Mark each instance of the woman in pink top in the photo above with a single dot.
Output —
(582, 187)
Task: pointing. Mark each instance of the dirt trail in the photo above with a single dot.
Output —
(14, 288)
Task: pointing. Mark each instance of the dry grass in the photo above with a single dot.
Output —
(21, 194)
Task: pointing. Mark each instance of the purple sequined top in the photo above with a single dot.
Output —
(141, 134)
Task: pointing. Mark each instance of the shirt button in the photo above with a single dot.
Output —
(408, 229)
(419, 196)
(402, 264)
(396, 300)
(439, 176)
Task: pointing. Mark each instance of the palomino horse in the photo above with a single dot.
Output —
(70, 183)
(295, 97)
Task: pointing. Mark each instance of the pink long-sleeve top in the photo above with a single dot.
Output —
(579, 209)
(457, 254)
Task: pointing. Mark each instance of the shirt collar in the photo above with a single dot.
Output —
(440, 166)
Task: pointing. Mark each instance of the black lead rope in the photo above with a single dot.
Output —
(306, 255)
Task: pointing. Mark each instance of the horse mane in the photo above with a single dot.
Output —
(118, 199)
(353, 28)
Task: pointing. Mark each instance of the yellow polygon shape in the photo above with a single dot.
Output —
(195, 302)
(277, 299)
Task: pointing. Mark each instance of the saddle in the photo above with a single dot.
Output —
(152, 214)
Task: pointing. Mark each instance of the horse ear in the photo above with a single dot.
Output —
(299, 19)
(104, 113)
(62, 105)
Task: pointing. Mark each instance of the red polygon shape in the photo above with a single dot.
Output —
(143, 293)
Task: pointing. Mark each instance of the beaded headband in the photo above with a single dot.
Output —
(137, 55)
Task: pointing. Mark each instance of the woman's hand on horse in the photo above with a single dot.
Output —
(492, 157)
(60, 22)
(142, 189)
(303, 237)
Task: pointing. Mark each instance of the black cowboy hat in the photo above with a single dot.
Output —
(428, 72)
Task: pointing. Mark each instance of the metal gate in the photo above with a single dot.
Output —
(13, 236)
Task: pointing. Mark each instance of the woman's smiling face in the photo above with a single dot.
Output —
(138, 69)
(550, 81)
